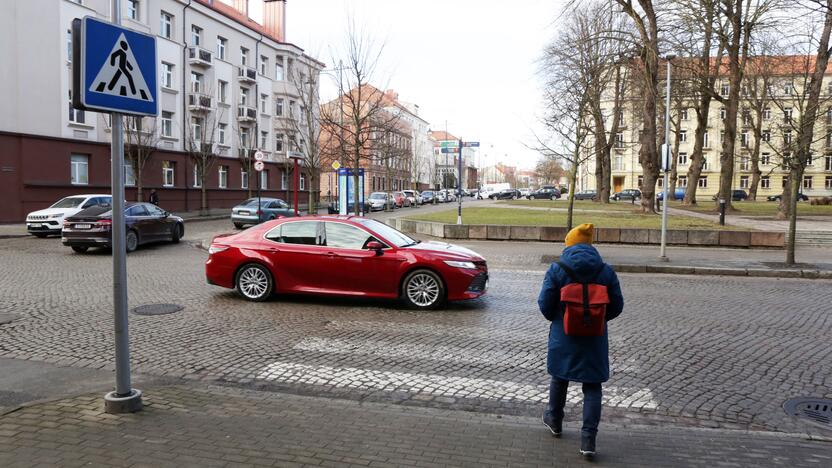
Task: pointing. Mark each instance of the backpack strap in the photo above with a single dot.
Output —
(584, 289)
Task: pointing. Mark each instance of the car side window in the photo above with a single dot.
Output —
(344, 236)
(91, 202)
(155, 210)
(298, 232)
(137, 210)
(275, 204)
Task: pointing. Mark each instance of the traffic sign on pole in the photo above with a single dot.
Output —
(448, 150)
(448, 143)
(336, 165)
(259, 165)
(259, 156)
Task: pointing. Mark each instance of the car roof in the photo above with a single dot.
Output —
(88, 195)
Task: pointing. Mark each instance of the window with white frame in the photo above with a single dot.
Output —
(746, 117)
(788, 89)
(291, 109)
(807, 182)
(76, 115)
(244, 137)
(264, 179)
(619, 140)
(196, 129)
(784, 181)
(133, 9)
(166, 25)
(293, 143)
(787, 137)
(129, 176)
(221, 130)
(787, 114)
(278, 68)
(683, 114)
(196, 35)
(243, 56)
(264, 103)
(682, 182)
(827, 165)
(278, 142)
(278, 107)
(828, 183)
(69, 45)
(705, 141)
(168, 173)
(683, 136)
(167, 124)
(222, 44)
(197, 179)
(243, 179)
(618, 163)
(196, 82)
(787, 156)
(682, 159)
(243, 96)
(744, 139)
(264, 139)
(810, 159)
(765, 182)
(725, 89)
(223, 177)
(621, 120)
(723, 113)
(79, 169)
(703, 182)
(284, 180)
(744, 182)
(766, 136)
(264, 63)
(640, 181)
(222, 91)
(767, 113)
(302, 185)
(167, 75)
(765, 159)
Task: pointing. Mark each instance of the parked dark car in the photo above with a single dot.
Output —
(736, 195)
(146, 223)
(628, 194)
(333, 207)
(428, 196)
(507, 194)
(778, 197)
(679, 194)
(269, 208)
(586, 195)
(545, 193)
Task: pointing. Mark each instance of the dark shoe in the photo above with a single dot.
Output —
(588, 446)
(554, 424)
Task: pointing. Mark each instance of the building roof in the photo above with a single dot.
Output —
(775, 65)
(440, 135)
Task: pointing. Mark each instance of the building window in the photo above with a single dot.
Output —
(197, 182)
(744, 163)
(723, 113)
(683, 159)
(243, 56)
(746, 117)
(828, 183)
(293, 143)
(683, 136)
(196, 82)
(705, 140)
(787, 114)
(167, 124)
(619, 140)
(278, 68)
(827, 165)
(660, 182)
(765, 182)
(264, 139)
(79, 169)
(703, 182)
(243, 179)
(807, 182)
(278, 143)
(302, 182)
(682, 182)
(222, 91)
(784, 181)
(167, 75)
(167, 173)
(765, 159)
(129, 176)
(133, 9)
(244, 142)
(810, 160)
(196, 35)
(221, 45)
(243, 96)
(221, 132)
(724, 90)
(284, 182)
(166, 25)
(766, 136)
(223, 177)
(705, 165)
(278, 107)
(264, 179)
(744, 182)
(683, 114)
(264, 62)
(291, 109)
(787, 137)
(75, 115)
(196, 129)
(264, 102)
(767, 113)
(788, 89)
(744, 139)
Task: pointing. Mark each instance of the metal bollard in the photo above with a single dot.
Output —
(722, 212)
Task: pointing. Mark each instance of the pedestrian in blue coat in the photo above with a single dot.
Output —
(582, 359)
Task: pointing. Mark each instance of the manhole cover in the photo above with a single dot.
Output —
(816, 411)
(157, 309)
(7, 318)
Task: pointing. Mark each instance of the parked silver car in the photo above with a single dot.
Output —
(413, 196)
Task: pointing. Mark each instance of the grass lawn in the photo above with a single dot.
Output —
(521, 217)
(579, 205)
(758, 208)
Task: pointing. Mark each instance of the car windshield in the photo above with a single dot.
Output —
(69, 202)
(377, 196)
(427, 193)
(390, 234)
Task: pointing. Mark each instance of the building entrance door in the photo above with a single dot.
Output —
(617, 184)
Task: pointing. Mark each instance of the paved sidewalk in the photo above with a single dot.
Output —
(211, 426)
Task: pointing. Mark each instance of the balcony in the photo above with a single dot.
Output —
(200, 57)
(247, 75)
(198, 102)
(246, 114)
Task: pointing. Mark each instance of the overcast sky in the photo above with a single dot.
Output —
(470, 62)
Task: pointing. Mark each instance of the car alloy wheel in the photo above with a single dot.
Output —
(254, 283)
(423, 289)
(131, 241)
(178, 231)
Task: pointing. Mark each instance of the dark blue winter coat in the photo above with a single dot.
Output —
(578, 358)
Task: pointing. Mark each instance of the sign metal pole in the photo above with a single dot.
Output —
(666, 163)
(459, 185)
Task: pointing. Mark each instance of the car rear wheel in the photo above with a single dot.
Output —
(80, 248)
(423, 289)
(178, 232)
(240, 226)
(254, 282)
(131, 241)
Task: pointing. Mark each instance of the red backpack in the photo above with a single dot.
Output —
(584, 305)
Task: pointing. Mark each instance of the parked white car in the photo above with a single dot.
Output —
(42, 223)
(413, 196)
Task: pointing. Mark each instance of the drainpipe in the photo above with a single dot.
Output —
(184, 96)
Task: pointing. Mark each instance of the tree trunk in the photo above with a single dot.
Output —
(203, 209)
(756, 173)
(795, 175)
(573, 179)
(697, 157)
(674, 170)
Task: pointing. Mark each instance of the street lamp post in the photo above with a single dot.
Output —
(666, 163)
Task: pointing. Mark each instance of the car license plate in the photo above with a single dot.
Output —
(83, 226)
(244, 213)
(36, 225)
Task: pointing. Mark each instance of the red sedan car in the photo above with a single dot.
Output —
(344, 255)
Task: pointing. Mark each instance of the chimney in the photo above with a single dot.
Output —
(392, 94)
(241, 6)
(274, 18)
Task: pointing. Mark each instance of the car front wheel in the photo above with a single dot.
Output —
(423, 289)
(178, 232)
(254, 282)
(80, 248)
(131, 241)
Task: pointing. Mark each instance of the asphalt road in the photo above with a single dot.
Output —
(697, 351)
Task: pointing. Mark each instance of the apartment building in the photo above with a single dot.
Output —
(221, 74)
(778, 116)
(446, 163)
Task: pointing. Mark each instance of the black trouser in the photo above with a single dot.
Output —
(592, 403)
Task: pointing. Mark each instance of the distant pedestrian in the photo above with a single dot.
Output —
(580, 294)
(154, 197)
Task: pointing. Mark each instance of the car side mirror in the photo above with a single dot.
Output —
(375, 245)
(166, 214)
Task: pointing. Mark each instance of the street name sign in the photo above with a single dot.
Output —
(448, 143)
(471, 144)
(116, 69)
(450, 150)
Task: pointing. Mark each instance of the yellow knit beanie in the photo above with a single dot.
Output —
(580, 235)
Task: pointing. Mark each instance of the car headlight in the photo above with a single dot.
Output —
(465, 265)
(217, 249)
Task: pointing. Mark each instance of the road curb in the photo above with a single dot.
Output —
(717, 271)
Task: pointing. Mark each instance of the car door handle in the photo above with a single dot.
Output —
(331, 254)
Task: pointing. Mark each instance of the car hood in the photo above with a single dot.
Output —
(445, 248)
(53, 211)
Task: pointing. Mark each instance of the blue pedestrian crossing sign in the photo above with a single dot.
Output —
(117, 68)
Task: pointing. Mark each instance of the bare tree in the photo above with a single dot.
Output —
(245, 152)
(759, 77)
(549, 170)
(308, 124)
(141, 140)
(201, 147)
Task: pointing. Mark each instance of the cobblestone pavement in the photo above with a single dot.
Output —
(209, 426)
(697, 351)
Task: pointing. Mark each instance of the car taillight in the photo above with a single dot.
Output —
(216, 248)
(259, 212)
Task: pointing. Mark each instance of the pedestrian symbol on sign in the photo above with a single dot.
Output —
(120, 74)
